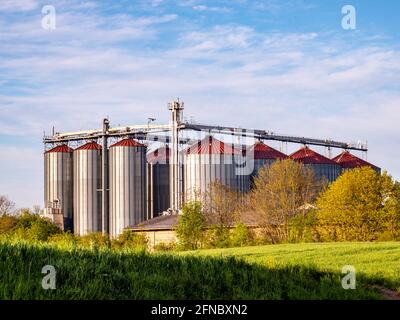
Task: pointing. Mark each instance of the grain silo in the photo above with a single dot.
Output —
(87, 184)
(207, 161)
(323, 167)
(158, 176)
(262, 155)
(127, 196)
(349, 161)
(58, 185)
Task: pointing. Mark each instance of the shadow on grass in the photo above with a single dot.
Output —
(85, 274)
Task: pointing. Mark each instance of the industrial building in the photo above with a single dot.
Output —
(262, 155)
(106, 180)
(87, 182)
(58, 185)
(207, 161)
(323, 167)
(346, 160)
(158, 181)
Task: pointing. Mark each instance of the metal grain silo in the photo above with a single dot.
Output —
(58, 185)
(349, 161)
(87, 184)
(207, 161)
(127, 161)
(262, 155)
(323, 167)
(158, 188)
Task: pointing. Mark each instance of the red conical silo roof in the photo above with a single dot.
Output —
(350, 161)
(159, 155)
(127, 143)
(89, 146)
(60, 148)
(308, 156)
(262, 151)
(210, 145)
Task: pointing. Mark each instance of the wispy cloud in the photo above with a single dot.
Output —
(18, 5)
(127, 66)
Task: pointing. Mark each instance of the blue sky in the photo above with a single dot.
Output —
(285, 66)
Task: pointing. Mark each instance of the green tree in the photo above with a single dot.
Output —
(32, 227)
(360, 205)
(281, 191)
(191, 225)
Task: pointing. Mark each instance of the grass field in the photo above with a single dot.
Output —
(376, 263)
(300, 271)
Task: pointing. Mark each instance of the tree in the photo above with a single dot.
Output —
(191, 225)
(221, 204)
(360, 205)
(282, 191)
(6, 206)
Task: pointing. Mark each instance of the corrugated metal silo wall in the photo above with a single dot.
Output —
(158, 188)
(87, 197)
(127, 187)
(58, 185)
(258, 164)
(329, 172)
(202, 169)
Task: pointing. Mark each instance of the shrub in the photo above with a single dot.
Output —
(7, 223)
(302, 227)
(33, 228)
(64, 240)
(163, 247)
(95, 240)
(130, 240)
(241, 236)
(191, 225)
(217, 237)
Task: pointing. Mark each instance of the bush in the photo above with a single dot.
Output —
(217, 237)
(241, 236)
(302, 227)
(32, 228)
(191, 225)
(64, 240)
(130, 240)
(164, 247)
(95, 240)
(7, 223)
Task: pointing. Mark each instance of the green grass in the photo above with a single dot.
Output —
(300, 271)
(376, 263)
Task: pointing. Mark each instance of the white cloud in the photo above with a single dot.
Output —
(296, 83)
(211, 9)
(18, 5)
